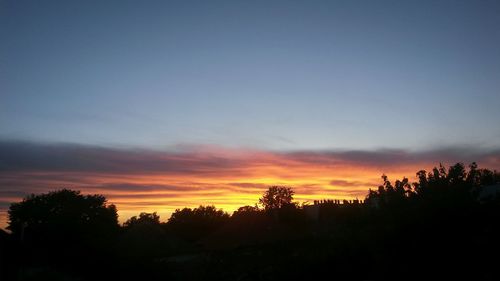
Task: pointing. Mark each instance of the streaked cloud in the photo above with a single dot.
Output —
(147, 180)
(345, 183)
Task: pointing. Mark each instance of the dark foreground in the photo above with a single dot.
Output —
(445, 226)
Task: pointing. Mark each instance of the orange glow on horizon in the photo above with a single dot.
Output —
(239, 183)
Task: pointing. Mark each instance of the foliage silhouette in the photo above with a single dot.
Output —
(443, 226)
(277, 197)
(192, 224)
(63, 214)
(246, 212)
(63, 228)
(143, 219)
(143, 236)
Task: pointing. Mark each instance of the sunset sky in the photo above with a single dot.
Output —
(164, 104)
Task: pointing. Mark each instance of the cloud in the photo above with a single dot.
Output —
(140, 187)
(4, 204)
(193, 175)
(29, 156)
(395, 157)
(26, 156)
(345, 183)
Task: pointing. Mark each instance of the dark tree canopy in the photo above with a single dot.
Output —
(246, 211)
(192, 224)
(144, 218)
(143, 236)
(454, 184)
(277, 197)
(445, 225)
(62, 214)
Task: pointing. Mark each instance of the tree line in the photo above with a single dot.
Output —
(444, 225)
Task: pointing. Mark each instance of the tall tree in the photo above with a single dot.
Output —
(277, 197)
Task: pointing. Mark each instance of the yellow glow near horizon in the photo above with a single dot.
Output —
(229, 187)
(192, 191)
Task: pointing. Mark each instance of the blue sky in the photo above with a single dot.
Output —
(277, 75)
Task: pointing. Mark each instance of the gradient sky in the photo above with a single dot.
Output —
(235, 79)
(270, 74)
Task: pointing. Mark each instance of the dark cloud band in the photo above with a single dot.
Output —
(29, 156)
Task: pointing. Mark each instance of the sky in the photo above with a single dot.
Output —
(217, 99)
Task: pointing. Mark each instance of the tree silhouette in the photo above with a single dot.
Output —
(277, 197)
(143, 236)
(63, 214)
(65, 229)
(192, 224)
(144, 218)
(444, 225)
(246, 211)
